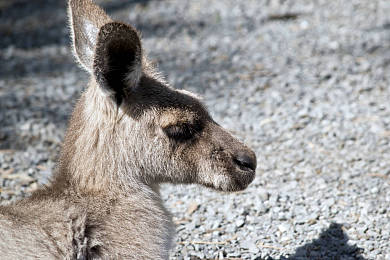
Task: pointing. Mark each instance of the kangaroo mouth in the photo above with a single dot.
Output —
(237, 181)
(243, 179)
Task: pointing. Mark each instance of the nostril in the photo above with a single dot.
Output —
(245, 160)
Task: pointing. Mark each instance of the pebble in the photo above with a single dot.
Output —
(284, 227)
(240, 222)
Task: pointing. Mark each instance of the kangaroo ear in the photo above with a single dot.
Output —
(118, 59)
(85, 19)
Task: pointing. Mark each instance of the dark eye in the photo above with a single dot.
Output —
(180, 133)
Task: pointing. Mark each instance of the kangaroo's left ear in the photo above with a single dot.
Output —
(118, 59)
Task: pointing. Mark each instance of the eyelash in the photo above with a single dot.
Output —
(180, 132)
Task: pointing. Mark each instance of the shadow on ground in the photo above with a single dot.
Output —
(331, 244)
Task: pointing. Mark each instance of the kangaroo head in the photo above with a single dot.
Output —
(130, 126)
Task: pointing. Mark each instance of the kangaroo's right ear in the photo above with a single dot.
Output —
(86, 19)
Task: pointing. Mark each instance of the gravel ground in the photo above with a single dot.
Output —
(304, 83)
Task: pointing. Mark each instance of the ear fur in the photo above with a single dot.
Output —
(111, 51)
(118, 59)
(85, 19)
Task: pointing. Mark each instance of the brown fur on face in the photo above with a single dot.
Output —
(129, 132)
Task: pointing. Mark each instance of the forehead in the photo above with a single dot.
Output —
(178, 116)
(154, 95)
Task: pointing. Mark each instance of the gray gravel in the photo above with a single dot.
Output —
(304, 83)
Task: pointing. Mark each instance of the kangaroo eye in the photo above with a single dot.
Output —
(180, 133)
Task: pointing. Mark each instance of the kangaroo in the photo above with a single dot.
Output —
(129, 132)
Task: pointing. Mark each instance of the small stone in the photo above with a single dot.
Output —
(263, 194)
(192, 208)
(240, 222)
(284, 227)
(33, 187)
(374, 190)
(285, 238)
(23, 178)
(361, 230)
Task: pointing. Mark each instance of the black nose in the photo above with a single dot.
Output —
(246, 160)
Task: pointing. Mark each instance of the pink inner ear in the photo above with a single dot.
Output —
(91, 31)
(86, 18)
